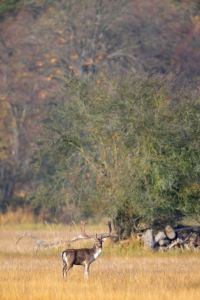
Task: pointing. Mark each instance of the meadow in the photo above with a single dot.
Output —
(123, 271)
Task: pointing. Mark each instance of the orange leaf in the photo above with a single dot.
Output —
(43, 94)
(87, 63)
(62, 40)
(39, 63)
(74, 56)
(58, 72)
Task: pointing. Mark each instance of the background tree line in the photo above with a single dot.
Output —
(42, 40)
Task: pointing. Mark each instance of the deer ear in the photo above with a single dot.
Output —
(93, 239)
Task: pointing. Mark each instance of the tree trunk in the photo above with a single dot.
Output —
(164, 242)
(149, 241)
(7, 181)
(170, 233)
(160, 236)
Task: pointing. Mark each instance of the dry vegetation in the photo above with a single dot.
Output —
(121, 272)
(20, 216)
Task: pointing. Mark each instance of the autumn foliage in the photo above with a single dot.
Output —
(41, 41)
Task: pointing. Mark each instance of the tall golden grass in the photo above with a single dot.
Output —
(39, 277)
(122, 274)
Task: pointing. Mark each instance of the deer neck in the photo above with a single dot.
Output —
(97, 251)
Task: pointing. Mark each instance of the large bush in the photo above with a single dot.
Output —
(120, 143)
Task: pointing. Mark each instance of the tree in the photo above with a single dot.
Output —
(120, 36)
(9, 6)
(46, 39)
(128, 145)
(23, 105)
(87, 36)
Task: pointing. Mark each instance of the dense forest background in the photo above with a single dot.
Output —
(133, 65)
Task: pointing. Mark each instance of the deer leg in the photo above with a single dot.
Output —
(66, 269)
(86, 270)
(68, 261)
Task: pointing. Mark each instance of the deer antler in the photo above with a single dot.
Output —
(83, 229)
(96, 236)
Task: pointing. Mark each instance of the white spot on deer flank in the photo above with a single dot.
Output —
(64, 257)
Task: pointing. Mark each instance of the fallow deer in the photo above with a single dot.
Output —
(83, 257)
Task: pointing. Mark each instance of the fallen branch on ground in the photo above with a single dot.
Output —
(39, 244)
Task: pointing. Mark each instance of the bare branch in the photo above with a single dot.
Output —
(40, 244)
(186, 228)
(180, 242)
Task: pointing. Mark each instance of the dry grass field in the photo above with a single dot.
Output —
(119, 273)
